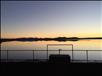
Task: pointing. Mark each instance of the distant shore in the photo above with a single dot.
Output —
(49, 39)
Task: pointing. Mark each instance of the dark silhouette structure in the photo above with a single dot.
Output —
(55, 58)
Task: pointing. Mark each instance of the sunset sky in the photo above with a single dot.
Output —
(51, 19)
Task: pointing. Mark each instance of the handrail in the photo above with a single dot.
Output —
(87, 52)
(51, 50)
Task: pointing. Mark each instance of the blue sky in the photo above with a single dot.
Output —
(50, 18)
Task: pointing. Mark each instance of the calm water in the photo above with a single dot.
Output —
(41, 45)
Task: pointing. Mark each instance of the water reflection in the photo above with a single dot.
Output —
(41, 45)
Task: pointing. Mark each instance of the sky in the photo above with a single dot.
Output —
(51, 19)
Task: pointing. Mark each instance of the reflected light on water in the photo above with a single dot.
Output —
(42, 45)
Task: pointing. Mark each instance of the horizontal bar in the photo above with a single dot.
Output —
(58, 44)
(51, 50)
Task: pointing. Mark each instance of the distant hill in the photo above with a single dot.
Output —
(48, 39)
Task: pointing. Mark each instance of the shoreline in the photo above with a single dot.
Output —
(50, 39)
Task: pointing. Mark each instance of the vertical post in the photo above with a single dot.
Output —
(7, 55)
(47, 52)
(33, 55)
(59, 51)
(87, 55)
(72, 53)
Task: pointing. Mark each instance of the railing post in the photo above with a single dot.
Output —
(47, 52)
(7, 55)
(33, 55)
(87, 55)
(72, 54)
(59, 51)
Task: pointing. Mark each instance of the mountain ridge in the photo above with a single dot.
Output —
(48, 39)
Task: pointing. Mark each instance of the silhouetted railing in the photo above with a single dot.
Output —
(59, 52)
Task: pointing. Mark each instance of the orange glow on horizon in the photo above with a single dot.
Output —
(51, 35)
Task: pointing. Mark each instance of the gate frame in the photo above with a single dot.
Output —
(59, 50)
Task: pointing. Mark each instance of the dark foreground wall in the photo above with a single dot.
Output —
(51, 69)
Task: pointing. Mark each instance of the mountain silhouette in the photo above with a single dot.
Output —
(48, 39)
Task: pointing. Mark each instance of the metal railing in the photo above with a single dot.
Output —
(59, 52)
